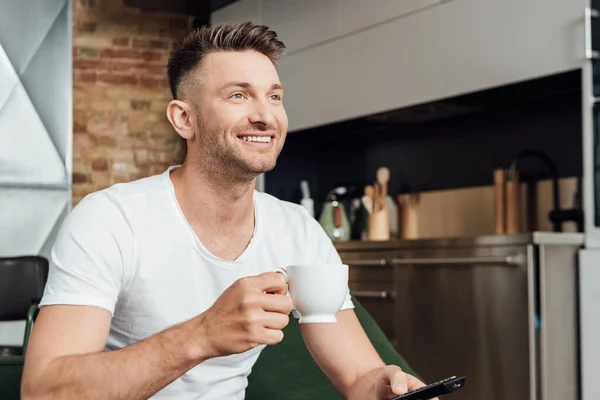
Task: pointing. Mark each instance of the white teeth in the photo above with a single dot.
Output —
(260, 139)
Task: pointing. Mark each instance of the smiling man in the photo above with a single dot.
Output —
(162, 287)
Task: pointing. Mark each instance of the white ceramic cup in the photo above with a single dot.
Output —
(318, 291)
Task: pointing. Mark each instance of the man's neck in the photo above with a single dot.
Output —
(212, 201)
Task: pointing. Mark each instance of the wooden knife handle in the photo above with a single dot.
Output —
(512, 205)
(499, 201)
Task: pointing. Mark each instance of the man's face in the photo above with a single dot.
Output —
(242, 124)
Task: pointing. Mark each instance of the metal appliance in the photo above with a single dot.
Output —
(500, 309)
(589, 259)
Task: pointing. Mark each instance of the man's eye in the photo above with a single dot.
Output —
(275, 97)
(237, 96)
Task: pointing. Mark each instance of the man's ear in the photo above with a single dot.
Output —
(182, 116)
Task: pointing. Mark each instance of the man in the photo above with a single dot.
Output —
(163, 286)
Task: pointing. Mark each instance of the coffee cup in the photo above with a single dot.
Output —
(318, 291)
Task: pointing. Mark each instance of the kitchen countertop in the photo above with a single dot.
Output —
(543, 238)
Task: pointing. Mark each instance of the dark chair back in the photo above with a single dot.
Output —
(22, 281)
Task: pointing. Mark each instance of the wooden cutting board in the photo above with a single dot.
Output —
(470, 211)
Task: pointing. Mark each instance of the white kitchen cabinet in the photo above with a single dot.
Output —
(301, 24)
(360, 14)
(450, 49)
(351, 58)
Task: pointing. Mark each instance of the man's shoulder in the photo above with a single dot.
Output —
(272, 205)
(291, 217)
(120, 194)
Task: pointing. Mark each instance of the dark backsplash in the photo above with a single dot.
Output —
(450, 144)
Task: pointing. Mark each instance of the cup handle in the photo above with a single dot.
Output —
(284, 273)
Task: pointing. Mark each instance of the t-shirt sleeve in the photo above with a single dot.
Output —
(329, 255)
(325, 253)
(89, 256)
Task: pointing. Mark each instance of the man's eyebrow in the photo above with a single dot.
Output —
(246, 85)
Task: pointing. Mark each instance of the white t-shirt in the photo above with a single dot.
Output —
(129, 249)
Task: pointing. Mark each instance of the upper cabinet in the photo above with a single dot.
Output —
(353, 58)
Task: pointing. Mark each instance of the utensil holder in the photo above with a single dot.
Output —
(379, 225)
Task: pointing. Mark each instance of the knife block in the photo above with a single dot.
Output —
(409, 215)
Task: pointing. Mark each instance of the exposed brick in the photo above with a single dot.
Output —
(100, 179)
(172, 142)
(151, 56)
(121, 178)
(82, 64)
(120, 53)
(120, 41)
(84, 77)
(78, 126)
(120, 129)
(150, 44)
(124, 167)
(83, 140)
(88, 52)
(79, 177)
(152, 82)
(85, 27)
(107, 141)
(121, 155)
(106, 127)
(100, 164)
(158, 168)
(140, 105)
(86, 4)
(81, 165)
(141, 157)
(118, 79)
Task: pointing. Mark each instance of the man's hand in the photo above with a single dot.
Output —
(392, 381)
(251, 312)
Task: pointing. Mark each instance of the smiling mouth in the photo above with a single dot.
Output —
(256, 139)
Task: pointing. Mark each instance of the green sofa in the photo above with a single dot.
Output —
(11, 367)
(285, 371)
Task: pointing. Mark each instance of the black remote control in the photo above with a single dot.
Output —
(436, 389)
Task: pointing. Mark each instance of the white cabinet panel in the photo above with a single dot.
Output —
(330, 89)
(455, 48)
(240, 11)
(300, 24)
(359, 14)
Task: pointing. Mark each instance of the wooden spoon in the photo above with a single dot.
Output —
(383, 177)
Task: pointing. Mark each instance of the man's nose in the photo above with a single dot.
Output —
(261, 114)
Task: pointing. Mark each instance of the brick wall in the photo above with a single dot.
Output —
(120, 92)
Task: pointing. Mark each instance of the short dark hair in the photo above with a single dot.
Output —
(222, 37)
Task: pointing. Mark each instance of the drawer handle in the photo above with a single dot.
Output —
(373, 294)
(375, 263)
(512, 260)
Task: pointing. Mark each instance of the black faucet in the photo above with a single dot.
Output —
(556, 216)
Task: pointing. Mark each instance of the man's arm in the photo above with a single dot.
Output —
(65, 358)
(345, 354)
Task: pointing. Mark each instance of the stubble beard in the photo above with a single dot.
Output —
(219, 159)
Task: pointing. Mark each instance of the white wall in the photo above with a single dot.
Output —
(350, 58)
(36, 94)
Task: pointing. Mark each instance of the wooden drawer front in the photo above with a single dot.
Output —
(371, 281)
